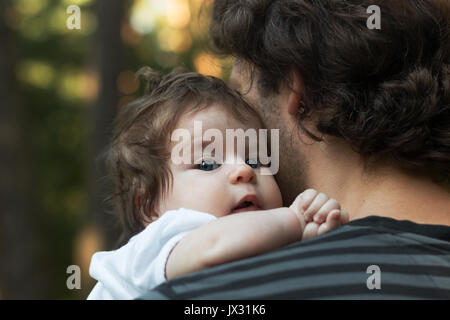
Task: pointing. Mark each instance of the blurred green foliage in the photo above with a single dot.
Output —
(55, 83)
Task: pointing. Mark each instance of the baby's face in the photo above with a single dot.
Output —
(219, 188)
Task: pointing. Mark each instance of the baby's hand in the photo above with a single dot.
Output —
(320, 213)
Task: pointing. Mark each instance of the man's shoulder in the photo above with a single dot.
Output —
(375, 231)
(412, 261)
(376, 237)
(389, 225)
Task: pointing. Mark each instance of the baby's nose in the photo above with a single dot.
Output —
(242, 173)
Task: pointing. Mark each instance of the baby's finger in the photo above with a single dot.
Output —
(303, 201)
(344, 216)
(296, 206)
(310, 230)
(317, 203)
(332, 222)
(307, 197)
(324, 211)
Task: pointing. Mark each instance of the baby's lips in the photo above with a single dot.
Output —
(249, 201)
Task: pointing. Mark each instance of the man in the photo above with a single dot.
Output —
(364, 115)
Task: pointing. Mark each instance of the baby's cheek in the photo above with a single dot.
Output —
(272, 194)
(206, 196)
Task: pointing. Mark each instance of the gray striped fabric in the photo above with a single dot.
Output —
(414, 262)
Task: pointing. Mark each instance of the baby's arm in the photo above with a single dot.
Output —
(247, 234)
(232, 238)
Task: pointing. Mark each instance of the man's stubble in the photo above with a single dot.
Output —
(291, 177)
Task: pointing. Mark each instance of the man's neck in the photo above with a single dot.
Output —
(383, 191)
(395, 194)
(405, 197)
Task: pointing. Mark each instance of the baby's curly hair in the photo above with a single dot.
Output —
(386, 92)
(137, 158)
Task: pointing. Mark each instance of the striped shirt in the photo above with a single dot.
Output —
(370, 258)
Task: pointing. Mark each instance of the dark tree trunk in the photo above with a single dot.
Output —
(109, 63)
(21, 268)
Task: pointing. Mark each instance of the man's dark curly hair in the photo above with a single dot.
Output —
(386, 91)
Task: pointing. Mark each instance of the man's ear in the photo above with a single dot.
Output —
(295, 96)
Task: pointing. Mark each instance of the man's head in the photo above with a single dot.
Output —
(316, 71)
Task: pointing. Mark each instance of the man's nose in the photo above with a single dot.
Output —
(242, 173)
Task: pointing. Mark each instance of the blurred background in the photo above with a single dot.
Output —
(59, 91)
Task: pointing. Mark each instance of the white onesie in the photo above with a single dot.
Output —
(139, 266)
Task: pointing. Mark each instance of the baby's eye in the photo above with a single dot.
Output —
(207, 165)
(254, 163)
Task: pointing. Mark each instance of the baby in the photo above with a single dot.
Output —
(188, 216)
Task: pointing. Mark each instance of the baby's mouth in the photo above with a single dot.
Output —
(247, 203)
